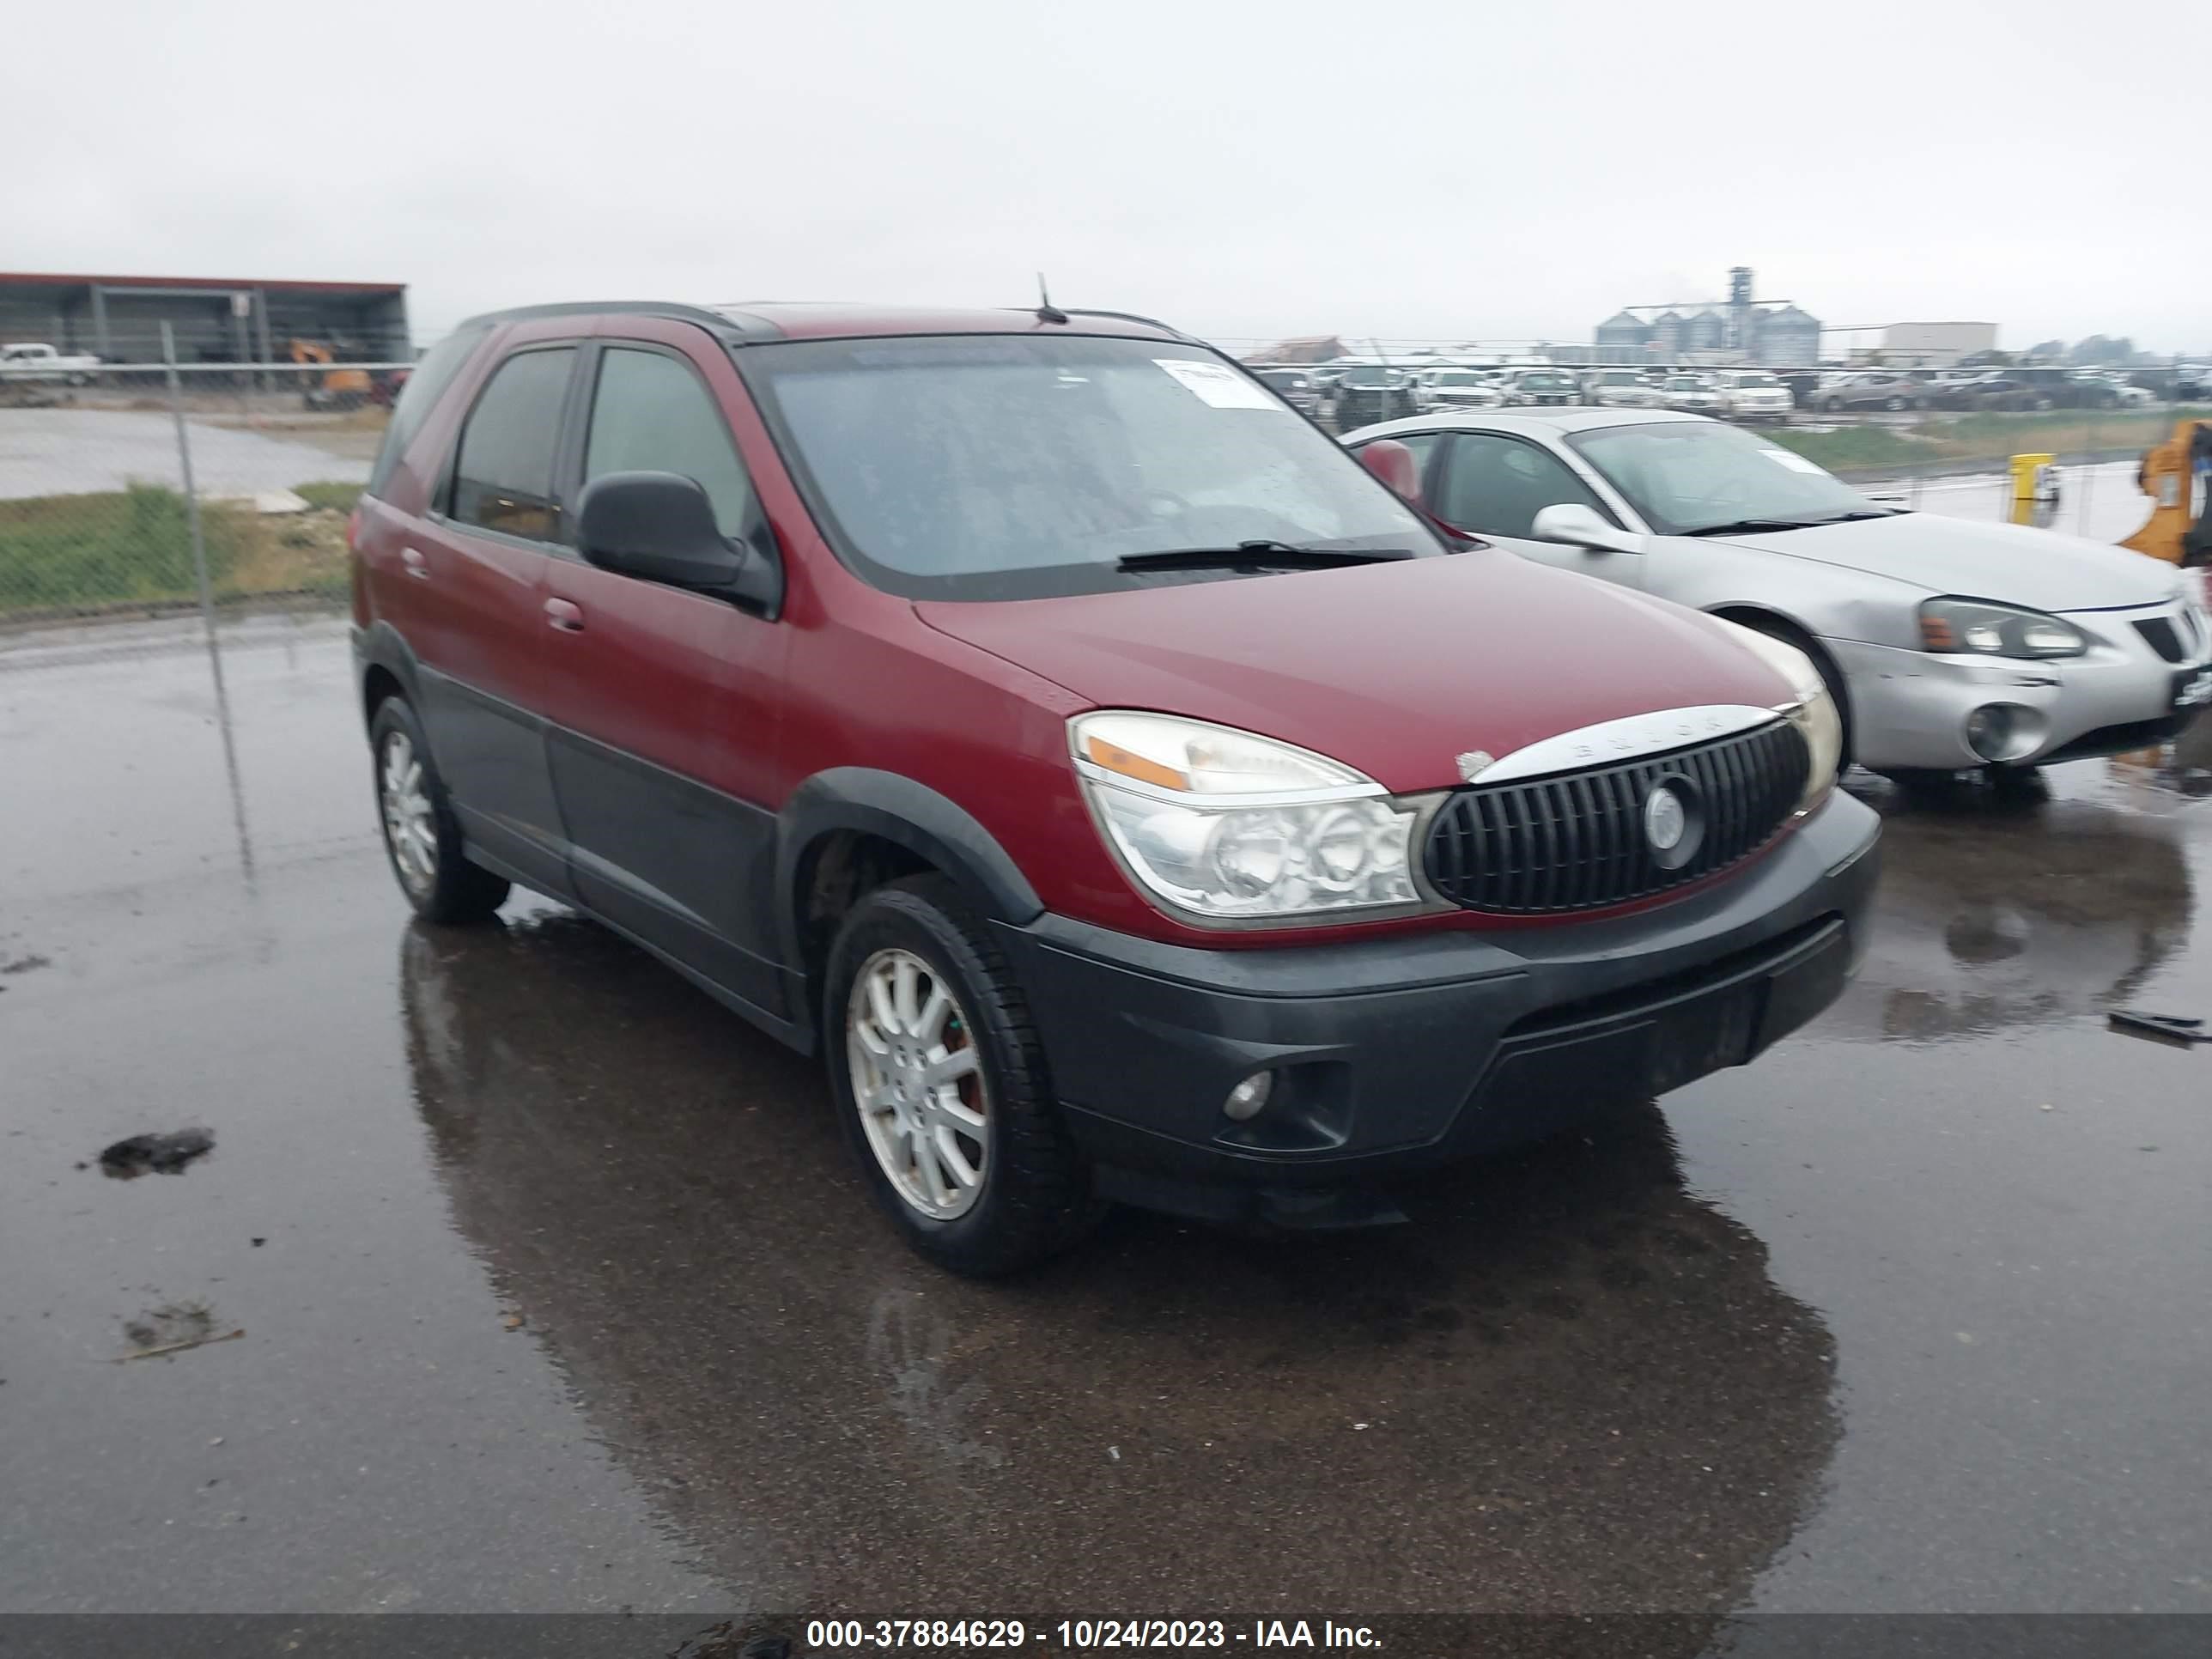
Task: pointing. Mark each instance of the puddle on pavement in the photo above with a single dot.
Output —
(173, 1328)
(154, 1154)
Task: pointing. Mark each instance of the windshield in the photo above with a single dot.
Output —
(1371, 377)
(1687, 476)
(1545, 382)
(1686, 383)
(1005, 467)
(1756, 380)
(1458, 377)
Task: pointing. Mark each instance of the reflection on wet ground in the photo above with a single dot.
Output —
(1568, 1380)
(1998, 916)
(556, 1290)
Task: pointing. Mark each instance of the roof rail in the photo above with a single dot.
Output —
(1125, 317)
(720, 322)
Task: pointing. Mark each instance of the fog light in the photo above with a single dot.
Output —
(1246, 1099)
(1988, 730)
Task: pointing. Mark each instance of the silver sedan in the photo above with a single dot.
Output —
(1947, 644)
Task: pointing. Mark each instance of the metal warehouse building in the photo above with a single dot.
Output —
(216, 319)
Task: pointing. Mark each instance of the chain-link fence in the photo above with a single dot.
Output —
(120, 484)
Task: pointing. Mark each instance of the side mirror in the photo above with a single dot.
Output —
(658, 526)
(1582, 527)
(1396, 465)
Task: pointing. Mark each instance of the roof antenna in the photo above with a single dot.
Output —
(1047, 312)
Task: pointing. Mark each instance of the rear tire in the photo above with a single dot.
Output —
(421, 836)
(915, 981)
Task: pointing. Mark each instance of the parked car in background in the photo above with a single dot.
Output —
(1620, 388)
(1948, 644)
(1535, 388)
(2104, 388)
(34, 361)
(2193, 380)
(1748, 394)
(1872, 389)
(1295, 386)
(1367, 392)
(1455, 388)
(1692, 393)
(2007, 390)
(1124, 792)
(1803, 386)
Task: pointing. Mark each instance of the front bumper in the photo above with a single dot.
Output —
(1405, 1051)
(1909, 708)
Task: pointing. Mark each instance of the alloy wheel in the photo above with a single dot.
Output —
(411, 829)
(918, 1084)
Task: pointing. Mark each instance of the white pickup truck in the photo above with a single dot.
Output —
(35, 361)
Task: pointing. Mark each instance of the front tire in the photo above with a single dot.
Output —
(421, 836)
(1830, 676)
(941, 1088)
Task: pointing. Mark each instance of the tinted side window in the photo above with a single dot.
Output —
(1499, 485)
(652, 414)
(426, 384)
(503, 472)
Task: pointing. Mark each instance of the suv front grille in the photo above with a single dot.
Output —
(2163, 639)
(1576, 841)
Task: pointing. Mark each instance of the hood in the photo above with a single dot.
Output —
(2008, 562)
(1394, 669)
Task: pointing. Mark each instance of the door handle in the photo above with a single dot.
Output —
(415, 565)
(564, 614)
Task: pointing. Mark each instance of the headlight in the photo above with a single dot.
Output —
(1224, 826)
(1974, 627)
(1814, 713)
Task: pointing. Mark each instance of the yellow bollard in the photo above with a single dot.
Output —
(2034, 489)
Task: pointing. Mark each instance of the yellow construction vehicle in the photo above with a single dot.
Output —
(2168, 474)
(339, 388)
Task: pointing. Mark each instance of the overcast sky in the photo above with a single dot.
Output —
(1402, 170)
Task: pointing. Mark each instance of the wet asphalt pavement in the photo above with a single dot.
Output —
(557, 1292)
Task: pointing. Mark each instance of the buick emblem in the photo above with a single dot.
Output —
(1665, 822)
(1674, 821)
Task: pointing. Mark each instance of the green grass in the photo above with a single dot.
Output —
(1853, 446)
(338, 497)
(133, 546)
(1986, 439)
(120, 545)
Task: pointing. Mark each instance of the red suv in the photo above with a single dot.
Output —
(1128, 794)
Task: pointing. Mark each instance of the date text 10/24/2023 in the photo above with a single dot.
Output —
(1084, 1635)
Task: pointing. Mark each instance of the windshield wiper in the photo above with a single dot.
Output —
(1260, 556)
(1750, 526)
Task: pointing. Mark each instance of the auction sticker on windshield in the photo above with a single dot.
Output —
(1795, 462)
(1218, 385)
